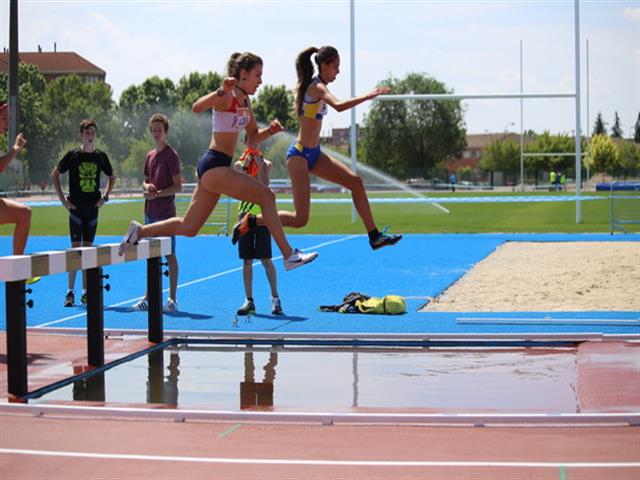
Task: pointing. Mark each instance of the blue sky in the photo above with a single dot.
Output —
(471, 46)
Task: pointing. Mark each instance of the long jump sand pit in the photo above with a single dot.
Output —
(562, 276)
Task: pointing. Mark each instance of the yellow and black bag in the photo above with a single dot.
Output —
(389, 304)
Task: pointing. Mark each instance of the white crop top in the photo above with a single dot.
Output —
(233, 120)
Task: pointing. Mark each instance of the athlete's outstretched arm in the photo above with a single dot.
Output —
(341, 105)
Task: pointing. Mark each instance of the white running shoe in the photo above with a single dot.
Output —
(131, 238)
(141, 305)
(297, 259)
(171, 306)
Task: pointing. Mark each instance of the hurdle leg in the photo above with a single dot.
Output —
(16, 338)
(154, 297)
(95, 317)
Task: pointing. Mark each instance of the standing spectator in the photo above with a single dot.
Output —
(553, 179)
(452, 180)
(563, 182)
(162, 180)
(256, 244)
(84, 164)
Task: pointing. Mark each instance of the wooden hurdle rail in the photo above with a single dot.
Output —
(16, 269)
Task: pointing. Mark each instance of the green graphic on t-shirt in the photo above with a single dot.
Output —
(87, 172)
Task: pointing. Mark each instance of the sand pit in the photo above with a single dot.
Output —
(563, 276)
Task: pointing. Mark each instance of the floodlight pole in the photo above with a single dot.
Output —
(13, 72)
(521, 125)
(578, 134)
(353, 140)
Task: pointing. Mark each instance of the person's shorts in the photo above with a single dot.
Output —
(310, 154)
(148, 220)
(83, 224)
(212, 159)
(255, 244)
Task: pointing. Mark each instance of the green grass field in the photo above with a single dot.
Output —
(403, 218)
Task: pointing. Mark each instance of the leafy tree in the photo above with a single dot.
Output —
(616, 130)
(139, 102)
(636, 130)
(409, 138)
(133, 165)
(189, 134)
(603, 154)
(275, 102)
(33, 121)
(628, 158)
(548, 143)
(502, 155)
(194, 85)
(599, 128)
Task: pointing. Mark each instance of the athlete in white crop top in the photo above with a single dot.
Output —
(231, 107)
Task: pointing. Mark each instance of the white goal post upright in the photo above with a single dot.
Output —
(521, 96)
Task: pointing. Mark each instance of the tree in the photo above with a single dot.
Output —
(275, 102)
(599, 128)
(636, 131)
(139, 102)
(409, 138)
(616, 130)
(628, 158)
(33, 120)
(194, 85)
(547, 143)
(502, 155)
(603, 154)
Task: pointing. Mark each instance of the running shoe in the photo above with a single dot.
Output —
(171, 306)
(247, 308)
(141, 305)
(384, 239)
(131, 238)
(69, 299)
(276, 306)
(241, 228)
(83, 298)
(297, 259)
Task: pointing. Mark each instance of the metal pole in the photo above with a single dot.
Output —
(578, 134)
(588, 133)
(14, 120)
(352, 142)
(521, 126)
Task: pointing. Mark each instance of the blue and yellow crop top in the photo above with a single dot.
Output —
(311, 108)
(234, 119)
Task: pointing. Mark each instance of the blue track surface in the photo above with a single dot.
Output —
(420, 266)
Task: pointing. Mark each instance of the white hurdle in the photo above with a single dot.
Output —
(16, 269)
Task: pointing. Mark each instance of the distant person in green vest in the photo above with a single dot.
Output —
(563, 182)
(553, 179)
(256, 243)
(85, 166)
(162, 180)
(13, 212)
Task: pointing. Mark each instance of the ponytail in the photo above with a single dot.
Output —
(304, 69)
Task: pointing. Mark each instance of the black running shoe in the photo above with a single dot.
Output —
(247, 308)
(384, 239)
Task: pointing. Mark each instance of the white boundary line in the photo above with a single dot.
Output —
(294, 461)
(192, 282)
(330, 418)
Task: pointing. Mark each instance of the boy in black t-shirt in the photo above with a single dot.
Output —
(84, 165)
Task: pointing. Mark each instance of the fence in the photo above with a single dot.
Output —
(16, 269)
(624, 201)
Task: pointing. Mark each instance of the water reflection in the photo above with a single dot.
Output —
(90, 389)
(159, 388)
(257, 394)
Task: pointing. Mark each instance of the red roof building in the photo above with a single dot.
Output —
(57, 64)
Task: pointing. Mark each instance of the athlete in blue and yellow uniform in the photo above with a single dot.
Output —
(305, 157)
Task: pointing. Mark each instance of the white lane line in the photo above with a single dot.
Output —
(293, 461)
(193, 282)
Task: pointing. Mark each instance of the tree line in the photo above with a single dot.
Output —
(404, 139)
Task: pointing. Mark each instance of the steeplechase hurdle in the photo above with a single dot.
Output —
(16, 269)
